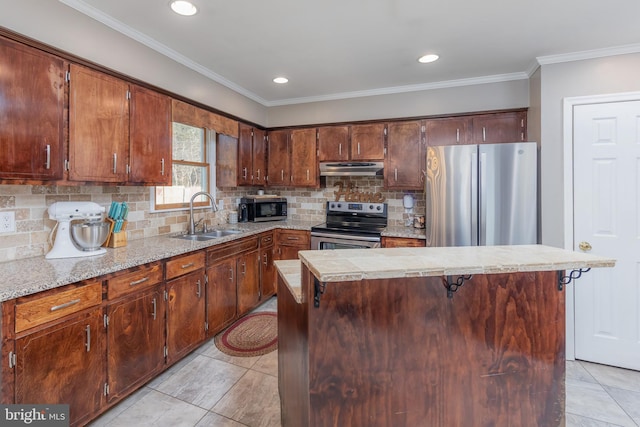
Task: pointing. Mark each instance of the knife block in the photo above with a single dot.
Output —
(116, 240)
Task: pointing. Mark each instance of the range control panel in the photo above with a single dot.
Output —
(364, 208)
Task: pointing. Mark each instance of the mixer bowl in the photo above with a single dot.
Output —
(89, 236)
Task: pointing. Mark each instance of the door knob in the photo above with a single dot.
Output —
(584, 246)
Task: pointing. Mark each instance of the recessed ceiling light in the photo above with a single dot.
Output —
(183, 8)
(281, 80)
(428, 58)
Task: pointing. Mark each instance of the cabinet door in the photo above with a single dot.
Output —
(98, 127)
(304, 158)
(64, 363)
(150, 137)
(259, 157)
(245, 155)
(333, 143)
(367, 142)
(248, 281)
(31, 113)
(449, 131)
(405, 156)
(267, 273)
(185, 314)
(135, 339)
(226, 161)
(278, 159)
(500, 127)
(221, 295)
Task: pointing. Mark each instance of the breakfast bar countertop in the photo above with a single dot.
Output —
(358, 264)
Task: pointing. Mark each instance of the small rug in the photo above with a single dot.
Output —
(253, 335)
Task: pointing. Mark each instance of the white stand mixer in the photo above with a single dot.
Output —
(64, 213)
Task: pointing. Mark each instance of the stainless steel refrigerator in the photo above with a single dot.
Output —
(481, 194)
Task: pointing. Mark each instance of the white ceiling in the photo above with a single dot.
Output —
(334, 49)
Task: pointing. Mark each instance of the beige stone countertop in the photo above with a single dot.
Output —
(32, 275)
(409, 232)
(291, 272)
(357, 264)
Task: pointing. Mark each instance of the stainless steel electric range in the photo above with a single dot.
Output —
(350, 225)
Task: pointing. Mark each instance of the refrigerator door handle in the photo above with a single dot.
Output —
(482, 199)
(474, 199)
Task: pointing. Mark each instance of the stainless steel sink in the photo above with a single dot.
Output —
(212, 234)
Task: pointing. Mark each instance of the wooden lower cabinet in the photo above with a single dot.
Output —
(248, 281)
(64, 363)
(221, 295)
(402, 242)
(268, 278)
(135, 341)
(185, 314)
(290, 242)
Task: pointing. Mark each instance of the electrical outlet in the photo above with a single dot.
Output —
(220, 205)
(7, 222)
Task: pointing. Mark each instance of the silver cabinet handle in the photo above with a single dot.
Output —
(137, 282)
(244, 268)
(162, 166)
(457, 135)
(258, 174)
(358, 148)
(115, 162)
(484, 133)
(186, 265)
(395, 173)
(282, 174)
(244, 173)
(265, 259)
(292, 238)
(199, 289)
(340, 149)
(155, 309)
(65, 305)
(307, 174)
(231, 274)
(12, 359)
(88, 343)
(47, 162)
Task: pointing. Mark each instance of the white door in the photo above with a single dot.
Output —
(607, 217)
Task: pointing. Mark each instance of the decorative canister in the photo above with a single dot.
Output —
(418, 221)
(233, 217)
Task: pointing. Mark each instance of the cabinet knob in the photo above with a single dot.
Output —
(585, 246)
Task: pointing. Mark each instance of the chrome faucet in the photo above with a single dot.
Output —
(214, 208)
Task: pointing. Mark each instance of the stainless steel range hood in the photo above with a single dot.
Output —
(351, 168)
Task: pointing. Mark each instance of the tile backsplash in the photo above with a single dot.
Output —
(33, 226)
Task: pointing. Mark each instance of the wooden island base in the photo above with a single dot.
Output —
(398, 352)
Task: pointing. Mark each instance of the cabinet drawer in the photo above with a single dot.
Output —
(133, 281)
(266, 240)
(295, 237)
(42, 310)
(185, 264)
(220, 252)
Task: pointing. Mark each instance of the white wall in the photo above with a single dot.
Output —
(490, 96)
(612, 74)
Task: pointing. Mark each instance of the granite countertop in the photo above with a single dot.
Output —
(409, 232)
(291, 273)
(32, 275)
(358, 264)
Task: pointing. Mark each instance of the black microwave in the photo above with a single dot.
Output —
(261, 208)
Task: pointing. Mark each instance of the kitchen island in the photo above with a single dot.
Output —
(434, 337)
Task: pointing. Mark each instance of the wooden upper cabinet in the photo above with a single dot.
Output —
(333, 143)
(405, 156)
(304, 158)
(355, 142)
(279, 165)
(32, 85)
(98, 126)
(252, 156)
(448, 131)
(150, 137)
(367, 141)
(226, 161)
(500, 127)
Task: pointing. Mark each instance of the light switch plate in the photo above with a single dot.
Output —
(7, 222)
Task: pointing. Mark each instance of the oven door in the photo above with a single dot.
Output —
(325, 241)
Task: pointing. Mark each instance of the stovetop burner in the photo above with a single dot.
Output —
(354, 218)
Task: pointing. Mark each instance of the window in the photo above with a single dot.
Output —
(190, 171)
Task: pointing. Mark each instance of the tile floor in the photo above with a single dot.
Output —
(211, 389)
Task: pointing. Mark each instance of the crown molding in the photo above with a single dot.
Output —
(589, 54)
